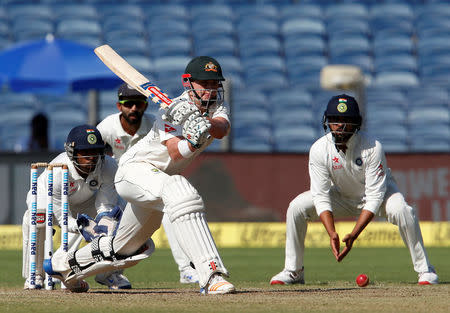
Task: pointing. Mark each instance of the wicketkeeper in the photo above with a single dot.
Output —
(349, 177)
(92, 193)
(148, 178)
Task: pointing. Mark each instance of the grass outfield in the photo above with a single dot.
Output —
(330, 286)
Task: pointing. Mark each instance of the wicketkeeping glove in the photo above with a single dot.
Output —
(86, 227)
(107, 222)
(196, 129)
(179, 111)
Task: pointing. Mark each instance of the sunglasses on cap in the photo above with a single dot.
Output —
(128, 103)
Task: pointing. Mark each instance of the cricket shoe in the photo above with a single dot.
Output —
(217, 285)
(38, 283)
(114, 280)
(74, 285)
(428, 278)
(188, 275)
(286, 277)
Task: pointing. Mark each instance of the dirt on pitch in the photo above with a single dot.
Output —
(309, 298)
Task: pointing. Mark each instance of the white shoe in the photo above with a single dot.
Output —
(286, 277)
(428, 278)
(114, 280)
(217, 285)
(38, 283)
(188, 275)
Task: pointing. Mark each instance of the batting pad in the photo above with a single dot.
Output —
(107, 265)
(186, 213)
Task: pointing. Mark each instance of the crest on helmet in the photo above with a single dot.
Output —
(342, 105)
(210, 67)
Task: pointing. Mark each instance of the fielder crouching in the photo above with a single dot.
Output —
(91, 193)
(148, 179)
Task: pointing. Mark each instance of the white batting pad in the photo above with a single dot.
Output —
(186, 212)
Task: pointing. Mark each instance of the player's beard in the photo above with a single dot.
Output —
(133, 121)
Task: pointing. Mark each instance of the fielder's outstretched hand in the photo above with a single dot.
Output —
(348, 240)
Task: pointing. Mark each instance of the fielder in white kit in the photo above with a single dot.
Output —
(121, 131)
(148, 179)
(349, 177)
(91, 192)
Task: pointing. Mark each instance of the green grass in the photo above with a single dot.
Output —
(329, 285)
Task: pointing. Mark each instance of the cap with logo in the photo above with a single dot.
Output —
(85, 137)
(204, 68)
(343, 105)
(126, 91)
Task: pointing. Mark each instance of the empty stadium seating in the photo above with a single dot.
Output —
(273, 52)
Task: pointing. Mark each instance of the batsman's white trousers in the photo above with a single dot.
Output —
(140, 185)
(394, 208)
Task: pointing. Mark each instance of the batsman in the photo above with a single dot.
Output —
(149, 179)
(91, 193)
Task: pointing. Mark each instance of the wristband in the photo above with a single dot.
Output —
(183, 147)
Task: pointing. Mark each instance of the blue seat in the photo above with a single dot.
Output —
(272, 63)
(309, 10)
(252, 145)
(432, 10)
(402, 63)
(221, 11)
(350, 27)
(216, 47)
(429, 116)
(265, 11)
(363, 61)
(69, 27)
(397, 79)
(30, 11)
(304, 26)
(257, 26)
(172, 46)
(428, 96)
(160, 29)
(21, 29)
(166, 11)
(122, 11)
(130, 45)
(431, 27)
(249, 98)
(140, 62)
(172, 64)
(230, 64)
(394, 10)
(207, 28)
(434, 46)
(383, 45)
(75, 11)
(285, 99)
(260, 47)
(346, 11)
(293, 115)
(380, 115)
(114, 24)
(304, 67)
(294, 137)
(301, 46)
(352, 46)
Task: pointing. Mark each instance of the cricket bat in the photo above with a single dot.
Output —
(131, 76)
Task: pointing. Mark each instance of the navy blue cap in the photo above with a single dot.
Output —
(126, 91)
(85, 137)
(343, 105)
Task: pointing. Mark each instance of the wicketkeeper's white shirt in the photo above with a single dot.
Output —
(120, 141)
(360, 175)
(91, 196)
(152, 150)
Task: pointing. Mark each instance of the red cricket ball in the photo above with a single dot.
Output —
(362, 280)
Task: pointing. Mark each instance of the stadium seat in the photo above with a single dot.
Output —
(401, 63)
(30, 12)
(304, 26)
(346, 11)
(220, 11)
(397, 79)
(299, 47)
(75, 11)
(293, 137)
(172, 46)
(21, 29)
(296, 10)
(260, 47)
(265, 11)
(257, 26)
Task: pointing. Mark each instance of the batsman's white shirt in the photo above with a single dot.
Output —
(152, 150)
(119, 140)
(91, 196)
(360, 175)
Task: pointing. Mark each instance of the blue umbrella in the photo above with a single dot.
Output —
(54, 66)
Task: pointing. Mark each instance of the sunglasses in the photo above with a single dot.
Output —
(130, 102)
